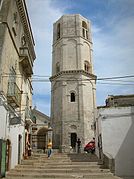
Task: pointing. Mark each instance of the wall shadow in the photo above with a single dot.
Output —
(124, 160)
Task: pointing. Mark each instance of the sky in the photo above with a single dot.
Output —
(113, 44)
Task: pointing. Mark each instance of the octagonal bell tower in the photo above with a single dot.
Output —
(73, 99)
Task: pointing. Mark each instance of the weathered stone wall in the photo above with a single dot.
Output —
(12, 29)
(70, 51)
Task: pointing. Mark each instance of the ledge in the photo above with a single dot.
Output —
(73, 72)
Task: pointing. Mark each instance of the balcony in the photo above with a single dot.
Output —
(28, 115)
(14, 95)
(26, 61)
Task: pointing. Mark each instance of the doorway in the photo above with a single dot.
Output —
(8, 155)
(39, 140)
(73, 140)
(19, 148)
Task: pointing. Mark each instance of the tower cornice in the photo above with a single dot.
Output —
(82, 72)
(73, 37)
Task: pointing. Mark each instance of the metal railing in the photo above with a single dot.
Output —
(25, 53)
(27, 113)
(14, 94)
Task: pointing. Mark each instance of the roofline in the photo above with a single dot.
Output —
(41, 113)
(128, 95)
(29, 21)
(22, 8)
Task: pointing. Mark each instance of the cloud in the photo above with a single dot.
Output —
(113, 45)
(42, 16)
(42, 19)
(113, 42)
(113, 50)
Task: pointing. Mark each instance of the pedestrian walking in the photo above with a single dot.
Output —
(49, 148)
(78, 145)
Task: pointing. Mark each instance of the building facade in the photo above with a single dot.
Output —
(17, 56)
(73, 83)
(41, 131)
(114, 135)
(120, 100)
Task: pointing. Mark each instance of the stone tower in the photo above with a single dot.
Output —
(72, 83)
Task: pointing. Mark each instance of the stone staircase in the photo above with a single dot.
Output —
(64, 166)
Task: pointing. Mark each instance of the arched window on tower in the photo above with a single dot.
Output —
(72, 97)
(57, 67)
(86, 66)
(84, 30)
(58, 31)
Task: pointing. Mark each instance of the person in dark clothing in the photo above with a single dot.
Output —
(78, 145)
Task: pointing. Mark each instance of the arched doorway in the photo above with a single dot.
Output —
(41, 138)
(8, 155)
(73, 140)
(19, 148)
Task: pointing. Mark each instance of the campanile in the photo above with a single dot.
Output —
(73, 83)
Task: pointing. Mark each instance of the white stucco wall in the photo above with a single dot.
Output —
(117, 129)
(13, 135)
(11, 132)
(3, 120)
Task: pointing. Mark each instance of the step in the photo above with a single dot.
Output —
(77, 177)
(59, 170)
(64, 178)
(59, 166)
(44, 161)
(61, 175)
(52, 162)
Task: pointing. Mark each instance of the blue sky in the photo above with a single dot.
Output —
(113, 43)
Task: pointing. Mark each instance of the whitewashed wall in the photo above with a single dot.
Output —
(117, 129)
(13, 135)
(3, 120)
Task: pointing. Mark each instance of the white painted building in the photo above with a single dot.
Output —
(115, 125)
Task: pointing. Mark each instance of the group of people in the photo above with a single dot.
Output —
(49, 146)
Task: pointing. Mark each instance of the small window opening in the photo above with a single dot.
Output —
(58, 31)
(57, 67)
(86, 66)
(72, 97)
(84, 30)
(86, 34)
(83, 33)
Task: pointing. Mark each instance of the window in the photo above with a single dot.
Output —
(72, 97)
(57, 67)
(14, 28)
(12, 75)
(84, 30)
(86, 66)
(23, 40)
(58, 31)
(1, 1)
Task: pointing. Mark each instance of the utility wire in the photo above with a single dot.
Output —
(112, 80)
(47, 76)
(116, 77)
(129, 84)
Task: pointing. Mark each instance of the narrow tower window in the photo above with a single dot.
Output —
(72, 97)
(58, 31)
(84, 30)
(1, 1)
(86, 66)
(57, 67)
